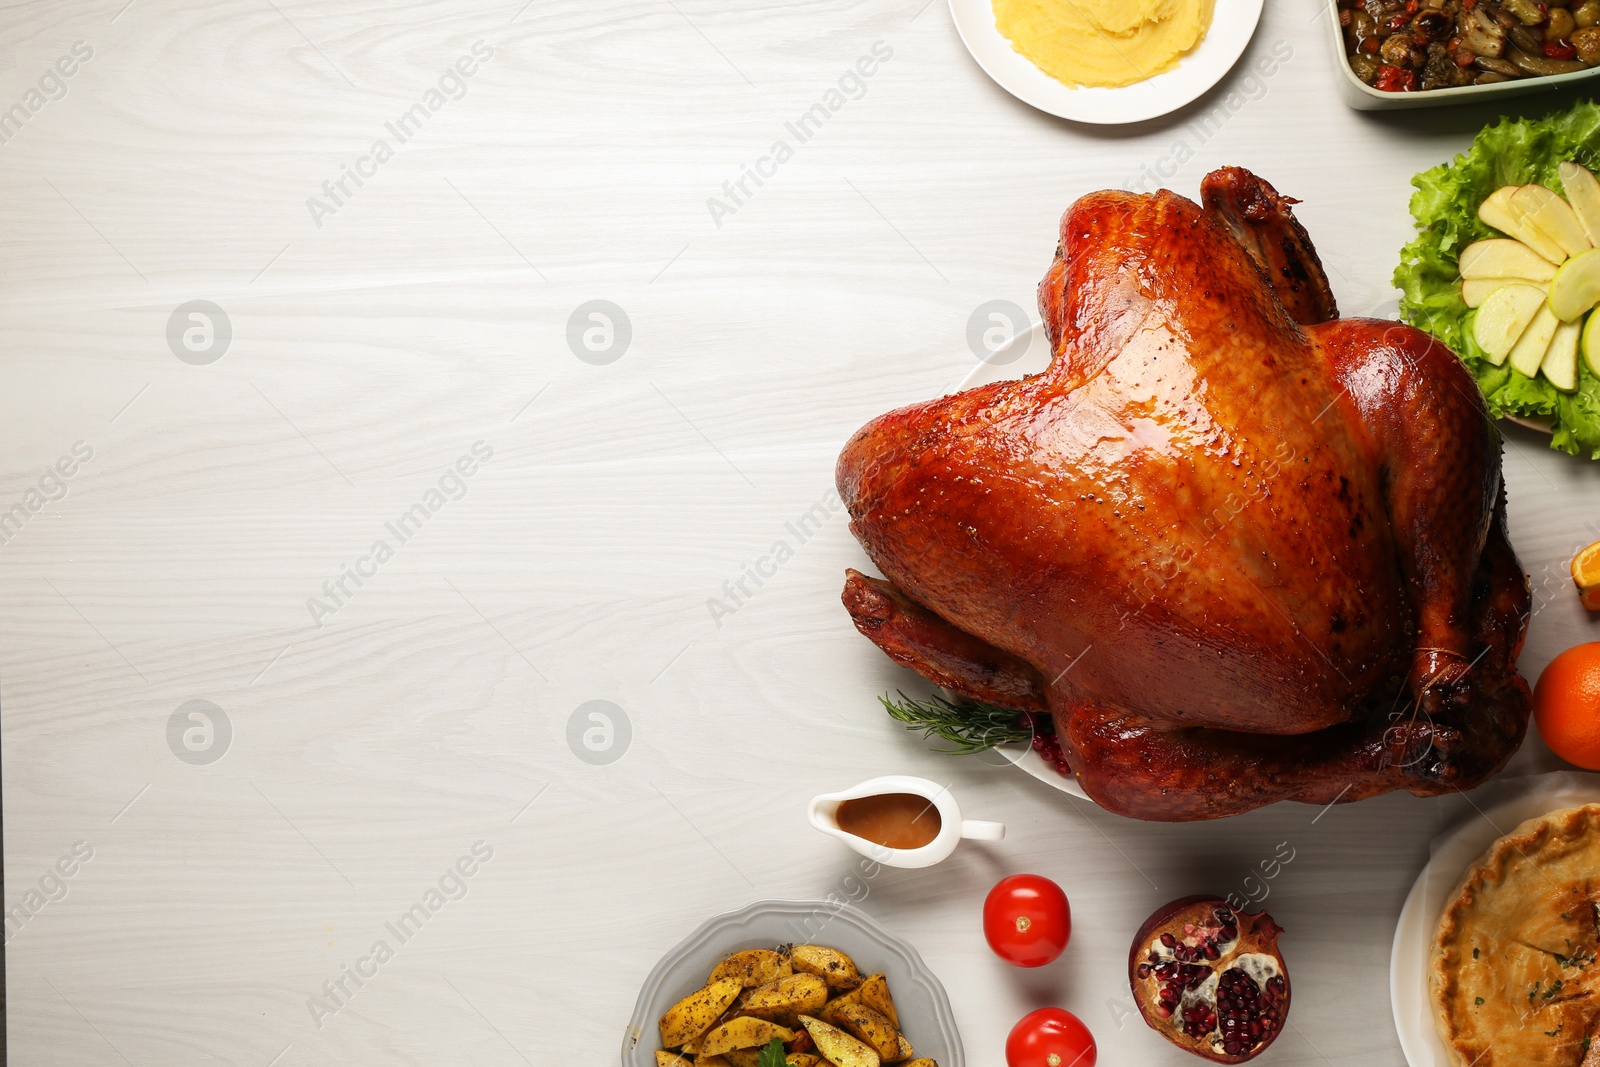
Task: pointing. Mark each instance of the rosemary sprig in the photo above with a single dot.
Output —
(969, 725)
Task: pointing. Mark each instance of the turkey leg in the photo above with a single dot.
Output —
(919, 640)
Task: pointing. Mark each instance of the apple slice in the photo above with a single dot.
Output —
(1551, 216)
(1583, 193)
(1576, 286)
(1590, 344)
(1503, 319)
(1560, 363)
(1502, 211)
(1496, 211)
(1528, 352)
(1500, 257)
(1476, 290)
(1528, 233)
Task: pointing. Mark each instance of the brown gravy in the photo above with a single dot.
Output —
(893, 820)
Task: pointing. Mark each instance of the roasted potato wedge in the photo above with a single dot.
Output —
(924, 1062)
(672, 1059)
(785, 1000)
(831, 965)
(744, 1032)
(860, 1021)
(906, 1051)
(753, 967)
(874, 993)
(838, 1047)
(698, 1012)
(711, 1061)
(751, 1057)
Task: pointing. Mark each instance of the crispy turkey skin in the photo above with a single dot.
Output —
(1241, 549)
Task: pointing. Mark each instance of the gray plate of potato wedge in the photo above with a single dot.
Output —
(823, 978)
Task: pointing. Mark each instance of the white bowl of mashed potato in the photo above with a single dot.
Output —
(1106, 61)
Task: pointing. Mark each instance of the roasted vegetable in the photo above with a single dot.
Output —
(874, 993)
(697, 1013)
(838, 1047)
(744, 1032)
(753, 967)
(785, 1000)
(833, 966)
(867, 1025)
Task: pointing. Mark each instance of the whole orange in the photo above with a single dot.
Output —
(1566, 705)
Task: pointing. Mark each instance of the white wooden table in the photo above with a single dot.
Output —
(359, 743)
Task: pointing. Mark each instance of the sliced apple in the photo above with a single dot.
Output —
(1576, 286)
(1528, 352)
(1502, 211)
(1590, 344)
(1496, 210)
(1500, 257)
(1553, 217)
(1476, 290)
(1560, 363)
(1583, 193)
(1503, 319)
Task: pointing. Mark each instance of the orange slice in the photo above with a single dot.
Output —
(1586, 575)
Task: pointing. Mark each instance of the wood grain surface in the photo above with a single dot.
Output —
(374, 741)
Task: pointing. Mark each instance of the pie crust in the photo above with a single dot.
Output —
(1514, 981)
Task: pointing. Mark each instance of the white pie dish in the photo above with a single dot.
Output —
(1497, 810)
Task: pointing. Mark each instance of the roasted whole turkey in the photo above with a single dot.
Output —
(1241, 550)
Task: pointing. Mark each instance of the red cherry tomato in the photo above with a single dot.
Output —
(1050, 1037)
(1026, 920)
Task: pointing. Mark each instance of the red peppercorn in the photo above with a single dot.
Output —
(1562, 49)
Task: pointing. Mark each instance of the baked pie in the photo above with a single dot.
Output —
(1514, 981)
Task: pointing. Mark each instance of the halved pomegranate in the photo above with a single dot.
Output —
(1210, 979)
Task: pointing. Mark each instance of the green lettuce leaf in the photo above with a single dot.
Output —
(1445, 206)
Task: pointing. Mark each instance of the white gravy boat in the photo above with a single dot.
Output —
(824, 815)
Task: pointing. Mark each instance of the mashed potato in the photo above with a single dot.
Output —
(1103, 42)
